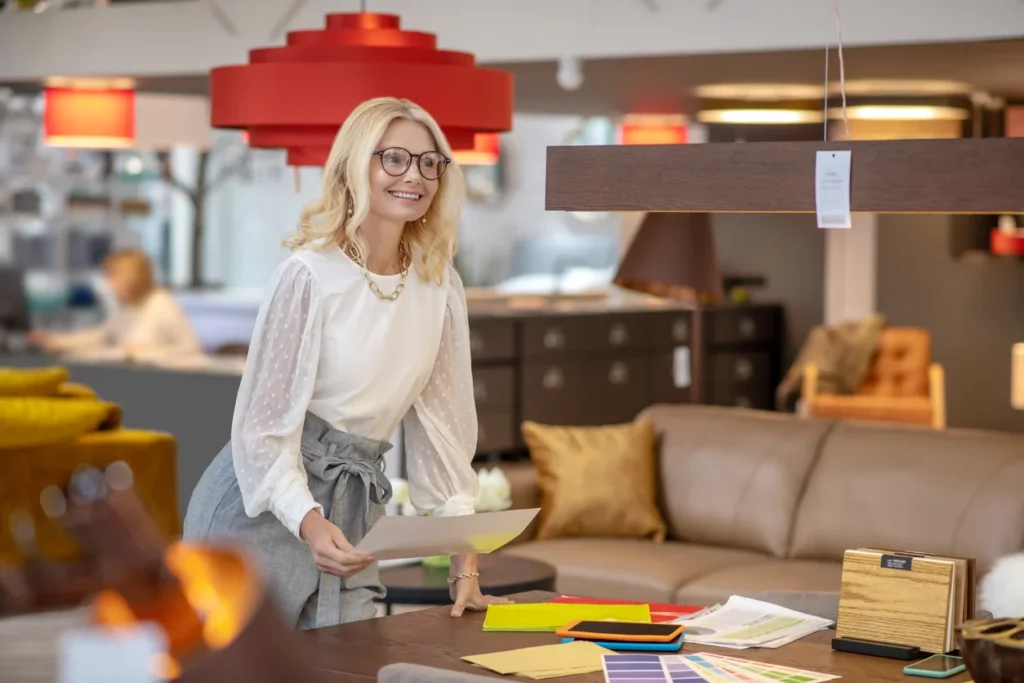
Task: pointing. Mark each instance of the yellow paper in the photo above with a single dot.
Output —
(576, 657)
(553, 616)
(559, 673)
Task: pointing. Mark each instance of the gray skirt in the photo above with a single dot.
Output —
(346, 476)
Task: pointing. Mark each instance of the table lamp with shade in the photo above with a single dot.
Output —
(673, 255)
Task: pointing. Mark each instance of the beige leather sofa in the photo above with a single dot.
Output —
(759, 501)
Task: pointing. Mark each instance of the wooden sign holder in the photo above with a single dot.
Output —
(967, 176)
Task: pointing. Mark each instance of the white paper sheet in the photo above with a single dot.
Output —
(744, 622)
(397, 537)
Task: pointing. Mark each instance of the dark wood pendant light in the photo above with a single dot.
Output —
(972, 176)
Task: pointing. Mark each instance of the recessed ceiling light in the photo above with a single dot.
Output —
(760, 116)
(904, 87)
(900, 112)
(760, 91)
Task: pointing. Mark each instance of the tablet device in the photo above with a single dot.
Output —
(621, 631)
(623, 646)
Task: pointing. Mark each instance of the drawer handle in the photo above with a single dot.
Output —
(476, 342)
(680, 330)
(748, 328)
(743, 402)
(554, 339)
(618, 335)
(618, 373)
(744, 369)
(553, 379)
(480, 389)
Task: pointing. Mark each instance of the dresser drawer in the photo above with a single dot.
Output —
(555, 391)
(620, 388)
(494, 388)
(551, 335)
(663, 375)
(741, 325)
(495, 432)
(671, 329)
(741, 379)
(492, 339)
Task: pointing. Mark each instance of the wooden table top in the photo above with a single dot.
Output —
(432, 637)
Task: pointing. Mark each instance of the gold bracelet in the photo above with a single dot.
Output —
(463, 575)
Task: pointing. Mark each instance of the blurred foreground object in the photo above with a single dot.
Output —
(49, 427)
(209, 603)
(993, 649)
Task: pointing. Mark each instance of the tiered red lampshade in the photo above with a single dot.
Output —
(89, 118)
(295, 97)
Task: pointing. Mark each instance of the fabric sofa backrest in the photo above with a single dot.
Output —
(732, 477)
(954, 492)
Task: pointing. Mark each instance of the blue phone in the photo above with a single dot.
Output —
(936, 666)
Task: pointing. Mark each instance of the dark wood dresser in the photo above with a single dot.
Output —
(592, 365)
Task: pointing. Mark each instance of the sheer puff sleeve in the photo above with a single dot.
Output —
(441, 426)
(273, 397)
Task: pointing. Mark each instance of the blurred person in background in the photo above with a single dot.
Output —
(145, 324)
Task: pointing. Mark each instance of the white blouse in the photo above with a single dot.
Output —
(325, 343)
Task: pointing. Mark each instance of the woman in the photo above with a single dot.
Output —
(147, 324)
(365, 327)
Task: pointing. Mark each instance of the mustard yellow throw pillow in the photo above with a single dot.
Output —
(31, 381)
(596, 481)
(29, 421)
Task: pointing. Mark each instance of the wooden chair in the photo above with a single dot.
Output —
(901, 385)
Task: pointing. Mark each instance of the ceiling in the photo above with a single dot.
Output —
(657, 84)
(654, 84)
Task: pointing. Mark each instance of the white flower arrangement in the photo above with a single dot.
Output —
(494, 493)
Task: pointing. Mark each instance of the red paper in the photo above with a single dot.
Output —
(660, 612)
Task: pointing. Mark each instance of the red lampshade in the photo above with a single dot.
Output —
(486, 151)
(652, 129)
(296, 96)
(94, 119)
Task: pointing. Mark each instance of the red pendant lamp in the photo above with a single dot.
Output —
(485, 152)
(296, 96)
(92, 118)
(653, 129)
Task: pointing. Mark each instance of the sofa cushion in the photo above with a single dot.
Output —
(733, 477)
(954, 492)
(628, 569)
(596, 481)
(752, 578)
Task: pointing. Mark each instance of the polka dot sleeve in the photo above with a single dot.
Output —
(441, 427)
(273, 397)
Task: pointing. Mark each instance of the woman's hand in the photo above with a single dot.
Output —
(332, 552)
(466, 594)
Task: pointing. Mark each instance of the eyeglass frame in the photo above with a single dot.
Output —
(380, 154)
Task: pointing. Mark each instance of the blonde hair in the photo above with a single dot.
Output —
(141, 277)
(346, 186)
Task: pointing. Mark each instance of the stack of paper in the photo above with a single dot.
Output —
(551, 617)
(744, 622)
(660, 612)
(545, 661)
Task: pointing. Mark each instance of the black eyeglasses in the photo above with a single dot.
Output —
(396, 161)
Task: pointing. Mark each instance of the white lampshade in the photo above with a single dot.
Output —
(165, 120)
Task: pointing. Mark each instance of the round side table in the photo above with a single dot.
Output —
(499, 575)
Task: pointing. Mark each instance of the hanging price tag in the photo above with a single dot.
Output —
(832, 188)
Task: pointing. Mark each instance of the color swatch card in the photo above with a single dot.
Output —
(757, 671)
(637, 668)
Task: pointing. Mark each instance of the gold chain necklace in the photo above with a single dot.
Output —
(401, 283)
